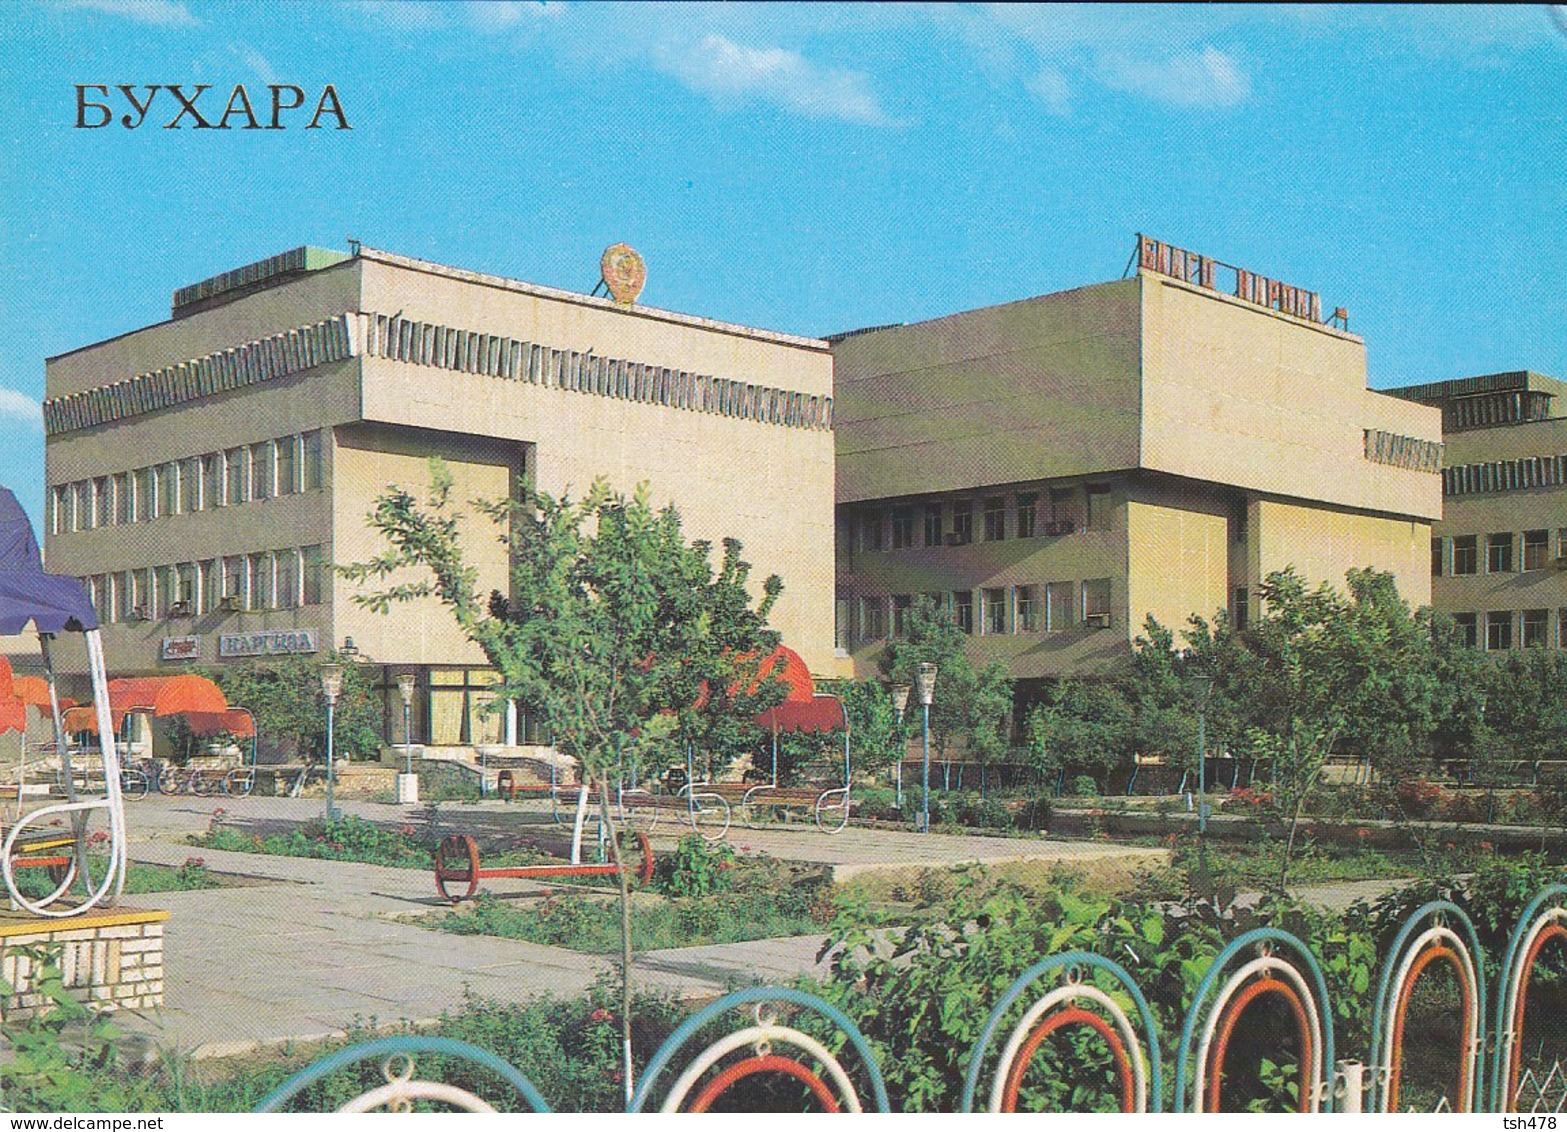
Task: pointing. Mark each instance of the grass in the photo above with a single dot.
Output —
(140, 878)
(348, 838)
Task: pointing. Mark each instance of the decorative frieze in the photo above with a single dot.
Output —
(367, 334)
(1403, 451)
(1522, 474)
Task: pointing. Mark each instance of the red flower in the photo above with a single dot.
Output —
(1487, 846)
(601, 1015)
(1362, 833)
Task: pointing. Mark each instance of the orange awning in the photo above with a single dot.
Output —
(34, 691)
(5, 677)
(164, 695)
(820, 713)
(236, 721)
(78, 719)
(13, 714)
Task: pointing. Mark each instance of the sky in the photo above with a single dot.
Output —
(809, 168)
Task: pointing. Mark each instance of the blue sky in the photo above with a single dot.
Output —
(808, 169)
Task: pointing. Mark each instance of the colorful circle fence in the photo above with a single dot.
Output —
(1074, 990)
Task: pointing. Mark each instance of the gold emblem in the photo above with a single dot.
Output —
(624, 272)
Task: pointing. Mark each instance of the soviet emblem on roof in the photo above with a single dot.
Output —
(624, 272)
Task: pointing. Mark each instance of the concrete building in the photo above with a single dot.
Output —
(1498, 554)
(1055, 470)
(204, 473)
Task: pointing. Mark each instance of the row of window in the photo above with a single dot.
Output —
(1522, 474)
(991, 611)
(1031, 514)
(1460, 554)
(285, 466)
(273, 579)
(1533, 628)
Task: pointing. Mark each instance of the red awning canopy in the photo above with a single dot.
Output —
(152, 695)
(13, 714)
(34, 691)
(236, 722)
(794, 673)
(820, 713)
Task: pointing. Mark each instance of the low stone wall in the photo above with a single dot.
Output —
(111, 959)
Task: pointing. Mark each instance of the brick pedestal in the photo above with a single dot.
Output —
(110, 958)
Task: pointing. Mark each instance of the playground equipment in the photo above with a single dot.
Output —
(53, 605)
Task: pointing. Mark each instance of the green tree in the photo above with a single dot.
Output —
(284, 694)
(617, 631)
(971, 706)
(1081, 724)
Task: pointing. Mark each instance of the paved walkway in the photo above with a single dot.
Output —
(311, 945)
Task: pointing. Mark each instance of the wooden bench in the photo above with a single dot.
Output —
(829, 806)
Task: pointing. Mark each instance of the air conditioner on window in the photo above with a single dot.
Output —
(1097, 620)
(180, 609)
(1060, 527)
(230, 603)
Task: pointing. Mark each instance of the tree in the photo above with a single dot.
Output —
(970, 705)
(284, 694)
(1081, 724)
(617, 633)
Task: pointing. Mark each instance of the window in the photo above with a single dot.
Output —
(1499, 630)
(840, 627)
(168, 489)
(1063, 508)
(236, 474)
(260, 582)
(119, 590)
(59, 509)
(211, 590)
(995, 519)
(1438, 556)
(1535, 622)
(287, 579)
(212, 481)
(1096, 602)
(1467, 631)
(190, 485)
(902, 528)
(103, 502)
(146, 497)
(98, 595)
(870, 531)
(993, 611)
(963, 610)
(1465, 554)
(902, 606)
(1561, 544)
(261, 470)
(162, 591)
(962, 522)
(1499, 553)
(310, 461)
(1098, 507)
(124, 499)
(1242, 607)
(234, 582)
(1027, 511)
(185, 584)
(1561, 628)
(932, 524)
(84, 508)
(1058, 606)
(141, 593)
(873, 619)
(1536, 549)
(287, 464)
(1027, 609)
(312, 577)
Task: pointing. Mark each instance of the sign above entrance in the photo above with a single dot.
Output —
(180, 648)
(270, 643)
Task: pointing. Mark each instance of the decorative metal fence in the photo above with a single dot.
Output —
(790, 1036)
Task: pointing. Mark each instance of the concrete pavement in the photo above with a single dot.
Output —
(306, 947)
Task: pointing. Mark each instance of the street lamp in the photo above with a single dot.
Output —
(331, 685)
(900, 701)
(1202, 687)
(926, 679)
(408, 783)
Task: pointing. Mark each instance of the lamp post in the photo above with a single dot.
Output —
(926, 679)
(407, 782)
(1202, 686)
(331, 685)
(900, 702)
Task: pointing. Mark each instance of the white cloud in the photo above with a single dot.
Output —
(256, 61)
(21, 408)
(504, 15)
(727, 71)
(1053, 89)
(1208, 78)
(161, 13)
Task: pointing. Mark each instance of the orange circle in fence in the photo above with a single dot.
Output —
(770, 1063)
(1056, 1020)
(1554, 930)
(1405, 993)
(1232, 1013)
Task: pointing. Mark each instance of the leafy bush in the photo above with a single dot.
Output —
(696, 868)
(1084, 786)
(348, 838)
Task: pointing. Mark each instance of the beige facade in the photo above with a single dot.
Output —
(1499, 555)
(204, 473)
(1058, 469)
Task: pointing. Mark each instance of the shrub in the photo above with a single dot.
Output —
(695, 868)
(1084, 786)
